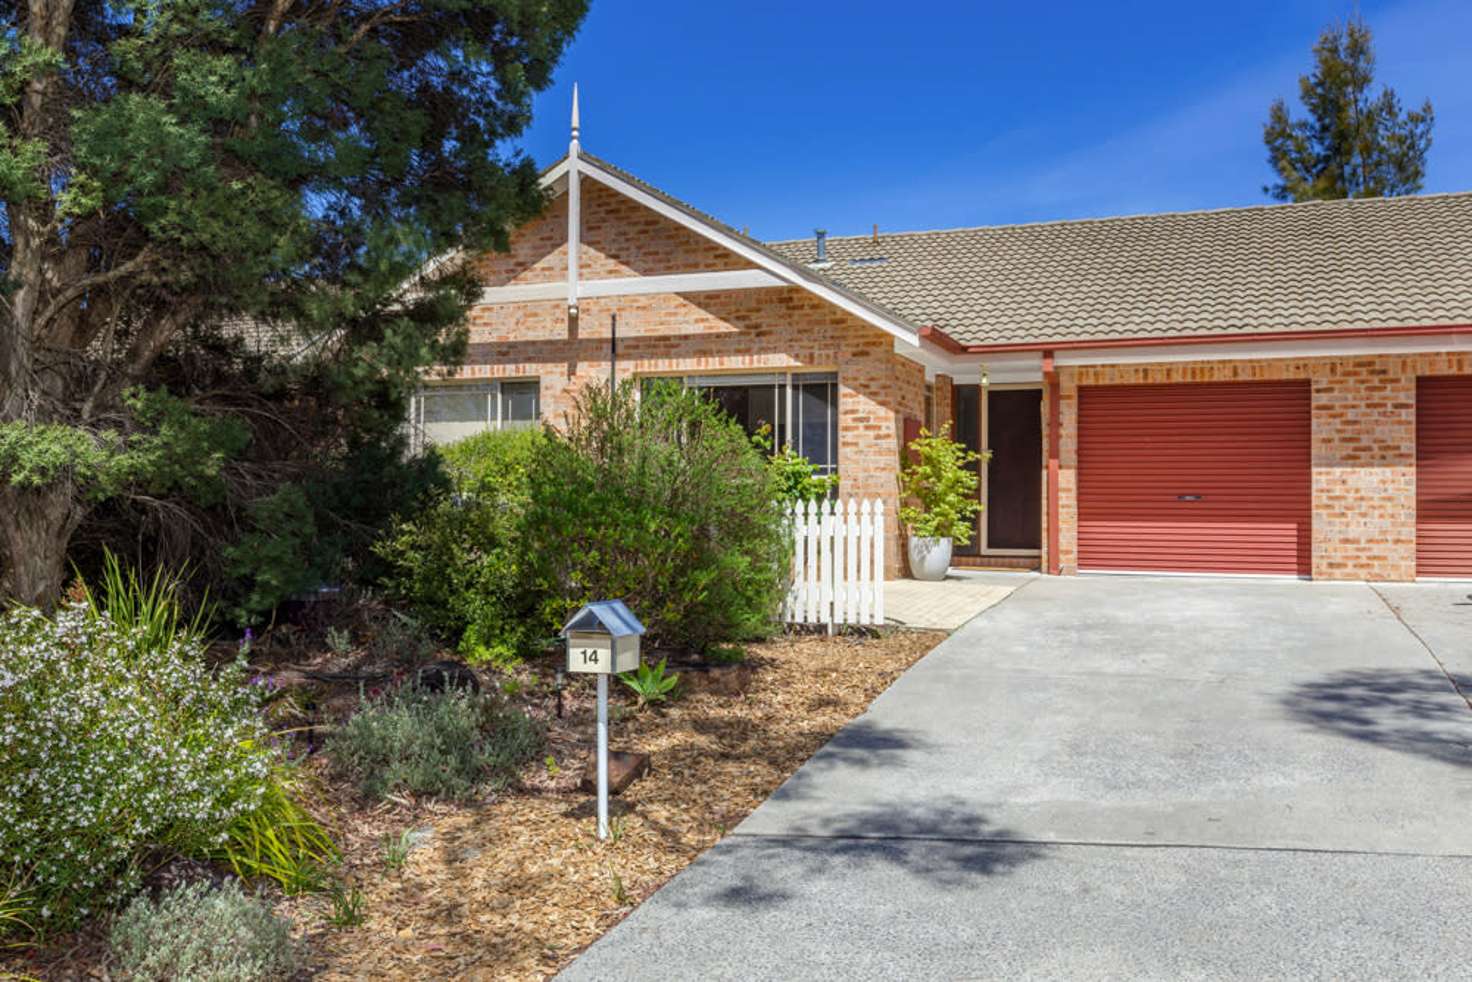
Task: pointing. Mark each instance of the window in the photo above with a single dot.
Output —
(444, 413)
(800, 408)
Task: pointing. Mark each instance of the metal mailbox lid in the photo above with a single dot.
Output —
(611, 617)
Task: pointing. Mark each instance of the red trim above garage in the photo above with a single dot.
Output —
(1195, 478)
(1444, 476)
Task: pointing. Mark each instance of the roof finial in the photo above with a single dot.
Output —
(573, 147)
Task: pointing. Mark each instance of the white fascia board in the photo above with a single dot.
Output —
(725, 279)
(788, 273)
(1003, 367)
(630, 286)
(524, 292)
(1254, 350)
(556, 173)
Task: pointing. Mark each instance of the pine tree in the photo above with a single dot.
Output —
(1355, 143)
(167, 165)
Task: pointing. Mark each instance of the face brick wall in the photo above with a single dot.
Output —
(620, 238)
(778, 328)
(1364, 450)
(945, 403)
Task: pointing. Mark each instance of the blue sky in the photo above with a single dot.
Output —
(789, 116)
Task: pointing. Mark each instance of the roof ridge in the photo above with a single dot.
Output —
(1140, 216)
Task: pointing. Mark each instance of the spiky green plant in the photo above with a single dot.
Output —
(151, 605)
(280, 839)
(650, 683)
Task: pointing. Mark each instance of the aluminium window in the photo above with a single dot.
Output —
(446, 412)
(801, 408)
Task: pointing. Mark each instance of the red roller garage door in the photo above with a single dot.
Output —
(1198, 478)
(1444, 476)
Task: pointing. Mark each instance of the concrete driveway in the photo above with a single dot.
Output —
(1116, 777)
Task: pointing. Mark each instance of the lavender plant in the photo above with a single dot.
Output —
(199, 932)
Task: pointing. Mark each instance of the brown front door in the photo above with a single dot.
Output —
(1014, 488)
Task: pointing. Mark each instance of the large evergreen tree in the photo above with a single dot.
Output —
(1355, 143)
(168, 165)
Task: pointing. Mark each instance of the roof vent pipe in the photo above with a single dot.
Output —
(820, 236)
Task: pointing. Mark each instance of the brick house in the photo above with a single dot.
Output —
(1283, 389)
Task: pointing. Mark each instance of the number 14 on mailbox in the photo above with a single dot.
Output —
(603, 639)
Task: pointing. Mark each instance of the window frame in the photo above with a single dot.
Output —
(492, 389)
(787, 383)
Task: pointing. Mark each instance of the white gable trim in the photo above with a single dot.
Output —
(632, 286)
(784, 271)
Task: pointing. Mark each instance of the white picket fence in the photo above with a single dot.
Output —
(837, 563)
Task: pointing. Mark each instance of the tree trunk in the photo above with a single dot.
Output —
(35, 528)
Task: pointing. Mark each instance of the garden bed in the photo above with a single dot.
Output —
(514, 884)
(515, 887)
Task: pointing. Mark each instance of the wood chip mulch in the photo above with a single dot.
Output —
(516, 887)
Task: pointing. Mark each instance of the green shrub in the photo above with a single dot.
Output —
(114, 741)
(940, 488)
(796, 477)
(426, 743)
(461, 562)
(201, 933)
(726, 654)
(662, 502)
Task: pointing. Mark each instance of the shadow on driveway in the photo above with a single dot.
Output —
(944, 844)
(1414, 712)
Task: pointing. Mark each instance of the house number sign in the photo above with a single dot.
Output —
(590, 654)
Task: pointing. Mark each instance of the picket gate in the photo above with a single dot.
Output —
(837, 563)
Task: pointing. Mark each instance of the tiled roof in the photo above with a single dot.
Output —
(1384, 262)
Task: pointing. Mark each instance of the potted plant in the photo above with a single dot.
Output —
(939, 491)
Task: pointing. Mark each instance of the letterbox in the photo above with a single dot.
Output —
(603, 638)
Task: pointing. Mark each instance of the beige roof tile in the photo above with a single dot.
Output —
(1318, 266)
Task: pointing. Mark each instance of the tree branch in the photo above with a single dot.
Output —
(75, 292)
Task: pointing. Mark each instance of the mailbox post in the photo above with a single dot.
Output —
(603, 640)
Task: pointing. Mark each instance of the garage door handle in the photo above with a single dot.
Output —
(1190, 497)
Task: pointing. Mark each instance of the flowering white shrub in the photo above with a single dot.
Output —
(111, 745)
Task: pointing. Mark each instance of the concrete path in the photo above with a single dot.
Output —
(948, 603)
(1115, 777)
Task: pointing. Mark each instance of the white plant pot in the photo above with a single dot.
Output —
(930, 557)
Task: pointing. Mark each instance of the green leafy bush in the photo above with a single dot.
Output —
(940, 488)
(426, 743)
(651, 683)
(796, 477)
(113, 741)
(662, 502)
(726, 654)
(462, 561)
(201, 933)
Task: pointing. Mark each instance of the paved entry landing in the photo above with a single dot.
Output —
(949, 603)
(1115, 777)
